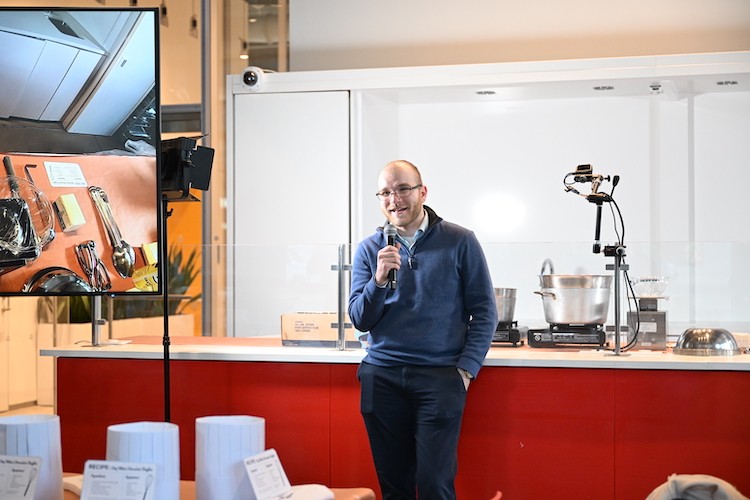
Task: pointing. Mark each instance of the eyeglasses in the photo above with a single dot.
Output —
(401, 192)
(92, 266)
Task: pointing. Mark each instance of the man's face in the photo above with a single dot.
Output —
(403, 211)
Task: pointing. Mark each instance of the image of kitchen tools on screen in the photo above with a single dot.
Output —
(26, 220)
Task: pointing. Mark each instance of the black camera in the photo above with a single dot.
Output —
(583, 173)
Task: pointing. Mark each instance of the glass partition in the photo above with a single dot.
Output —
(704, 288)
(292, 292)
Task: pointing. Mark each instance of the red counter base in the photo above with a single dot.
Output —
(528, 432)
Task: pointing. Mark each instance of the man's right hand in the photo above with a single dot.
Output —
(388, 258)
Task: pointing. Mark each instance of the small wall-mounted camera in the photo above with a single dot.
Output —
(253, 77)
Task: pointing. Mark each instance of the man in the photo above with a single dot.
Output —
(427, 337)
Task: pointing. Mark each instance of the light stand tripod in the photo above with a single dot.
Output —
(163, 256)
(184, 166)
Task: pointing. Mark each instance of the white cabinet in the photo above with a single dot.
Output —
(127, 80)
(287, 207)
(41, 75)
(58, 76)
(494, 141)
(17, 65)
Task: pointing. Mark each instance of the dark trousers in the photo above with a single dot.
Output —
(413, 419)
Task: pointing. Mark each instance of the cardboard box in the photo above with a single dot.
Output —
(315, 329)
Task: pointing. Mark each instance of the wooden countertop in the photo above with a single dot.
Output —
(271, 350)
(187, 492)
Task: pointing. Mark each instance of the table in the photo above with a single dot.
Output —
(187, 492)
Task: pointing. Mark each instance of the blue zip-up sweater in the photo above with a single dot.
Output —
(443, 310)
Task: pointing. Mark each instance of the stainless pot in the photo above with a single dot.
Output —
(505, 300)
(574, 281)
(575, 299)
(56, 280)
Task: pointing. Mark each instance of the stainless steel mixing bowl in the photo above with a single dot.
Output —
(706, 342)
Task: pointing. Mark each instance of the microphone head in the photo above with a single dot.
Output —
(390, 230)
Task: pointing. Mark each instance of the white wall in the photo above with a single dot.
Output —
(337, 34)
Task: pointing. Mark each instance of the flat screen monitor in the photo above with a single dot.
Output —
(80, 209)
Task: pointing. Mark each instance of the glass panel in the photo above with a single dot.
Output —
(257, 35)
(716, 300)
(292, 291)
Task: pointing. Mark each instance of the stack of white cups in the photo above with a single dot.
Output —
(149, 442)
(221, 445)
(36, 436)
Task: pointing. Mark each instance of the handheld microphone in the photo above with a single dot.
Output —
(390, 233)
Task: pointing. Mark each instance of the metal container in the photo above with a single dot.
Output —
(56, 279)
(575, 299)
(706, 342)
(505, 300)
(575, 281)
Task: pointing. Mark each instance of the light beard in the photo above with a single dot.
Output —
(405, 226)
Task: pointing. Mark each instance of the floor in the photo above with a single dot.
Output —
(28, 410)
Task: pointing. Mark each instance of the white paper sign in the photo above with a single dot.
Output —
(267, 476)
(64, 174)
(108, 480)
(18, 477)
